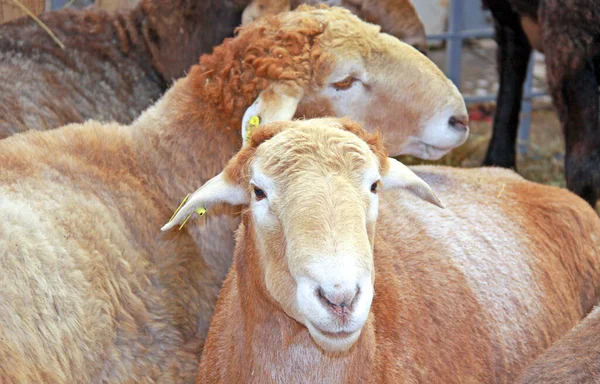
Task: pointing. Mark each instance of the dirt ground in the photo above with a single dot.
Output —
(543, 161)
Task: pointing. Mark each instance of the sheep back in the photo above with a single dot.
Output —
(91, 292)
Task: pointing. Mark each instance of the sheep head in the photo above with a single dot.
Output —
(326, 62)
(311, 188)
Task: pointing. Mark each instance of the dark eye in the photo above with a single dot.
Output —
(374, 187)
(344, 84)
(259, 193)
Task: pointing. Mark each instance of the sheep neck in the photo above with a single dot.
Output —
(269, 341)
(184, 141)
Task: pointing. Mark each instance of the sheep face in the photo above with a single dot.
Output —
(312, 191)
(314, 207)
(386, 84)
(371, 77)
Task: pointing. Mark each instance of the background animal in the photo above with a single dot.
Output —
(466, 294)
(114, 65)
(568, 32)
(93, 292)
(396, 17)
(575, 359)
(113, 5)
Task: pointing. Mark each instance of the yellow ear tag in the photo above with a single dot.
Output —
(252, 123)
(200, 211)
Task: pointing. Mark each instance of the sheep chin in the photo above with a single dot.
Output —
(333, 342)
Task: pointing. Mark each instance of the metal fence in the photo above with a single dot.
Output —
(469, 24)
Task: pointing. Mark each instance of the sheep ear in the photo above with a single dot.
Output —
(217, 190)
(400, 176)
(275, 103)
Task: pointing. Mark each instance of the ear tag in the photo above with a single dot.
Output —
(200, 211)
(252, 123)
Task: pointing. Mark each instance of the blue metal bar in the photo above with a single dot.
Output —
(454, 46)
(467, 34)
(58, 4)
(478, 99)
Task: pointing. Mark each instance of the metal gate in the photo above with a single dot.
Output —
(468, 24)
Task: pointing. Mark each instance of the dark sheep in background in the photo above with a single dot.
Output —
(568, 32)
(114, 65)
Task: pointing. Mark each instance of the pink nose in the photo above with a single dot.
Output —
(338, 301)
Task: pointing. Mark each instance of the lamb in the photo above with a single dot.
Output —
(567, 31)
(114, 65)
(92, 291)
(575, 359)
(322, 290)
(396, 17)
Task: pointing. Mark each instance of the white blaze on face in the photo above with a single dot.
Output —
(332, 264)
(327, 219)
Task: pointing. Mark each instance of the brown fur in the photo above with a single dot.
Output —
(114, 65)
(396, 17)
(469, 294)
(572, 360)
(93, 292)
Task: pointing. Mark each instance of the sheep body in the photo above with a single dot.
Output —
(94, 292)
(93, 296)
(573, 359)
(568, 32)
(469, 294)
(114, 65)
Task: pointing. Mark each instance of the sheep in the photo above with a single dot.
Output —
(322, 290)
(396, 17)
(573, 359)
(91, 290)
(567, 32)
(114, 65)
(113, 5)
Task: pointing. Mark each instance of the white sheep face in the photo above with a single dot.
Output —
(395, 89)
(314, 206)
(312, 191)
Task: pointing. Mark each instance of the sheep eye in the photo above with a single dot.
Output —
(344, 84)
(374, 187)
(259, 193)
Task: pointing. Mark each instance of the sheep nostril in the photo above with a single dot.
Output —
(460, 123)
(340, 303)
